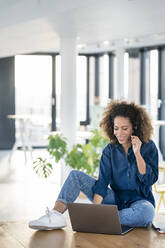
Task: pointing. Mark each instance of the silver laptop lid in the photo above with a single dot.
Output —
(94, 218)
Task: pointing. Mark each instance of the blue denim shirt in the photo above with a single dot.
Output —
(120, 171)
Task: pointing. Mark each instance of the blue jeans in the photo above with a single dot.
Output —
(139, 214)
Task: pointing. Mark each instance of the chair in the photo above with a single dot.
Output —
(160, 189)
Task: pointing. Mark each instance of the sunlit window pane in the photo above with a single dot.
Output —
(81, 87)
(104, 80)
(33, 89)
(153, 82)
(91, 80)
(126, 68)
(58, 90)
(115, 78)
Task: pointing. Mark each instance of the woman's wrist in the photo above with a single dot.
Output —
(138, 154)
(140, 163)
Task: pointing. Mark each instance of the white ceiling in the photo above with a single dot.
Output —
(38, 25)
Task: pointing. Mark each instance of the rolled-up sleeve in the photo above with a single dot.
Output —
(151, 160)
(103, 181)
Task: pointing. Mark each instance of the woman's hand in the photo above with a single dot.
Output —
(97, 199)
(136, 144)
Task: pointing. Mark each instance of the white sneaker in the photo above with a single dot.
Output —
(51, 220)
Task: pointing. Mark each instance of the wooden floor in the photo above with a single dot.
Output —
(18, 235)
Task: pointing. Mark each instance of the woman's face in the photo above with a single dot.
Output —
(123, 129)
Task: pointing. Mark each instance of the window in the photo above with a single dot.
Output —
(58, 90)
(33, 91)
(82, 88)
(104, 80)
(154, 83)
(126, 74)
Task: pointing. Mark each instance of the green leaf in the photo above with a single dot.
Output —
(42, 167)
(57, 147)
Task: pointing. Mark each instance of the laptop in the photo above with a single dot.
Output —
(96, 218)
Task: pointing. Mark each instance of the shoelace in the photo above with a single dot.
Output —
(48, 213)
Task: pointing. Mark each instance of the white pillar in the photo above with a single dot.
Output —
(68, 89)
(68, 96)
(119, 88)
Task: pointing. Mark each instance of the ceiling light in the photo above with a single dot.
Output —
(106, 43)
(137, 40)
(159, 35)
(126, 41)
(81, 46)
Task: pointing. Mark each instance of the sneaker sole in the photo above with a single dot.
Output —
(46, 227)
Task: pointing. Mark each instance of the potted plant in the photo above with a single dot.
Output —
(84, 157)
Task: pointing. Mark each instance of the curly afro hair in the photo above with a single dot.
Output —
(137, 115)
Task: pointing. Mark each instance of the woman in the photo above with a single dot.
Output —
(128, 169)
